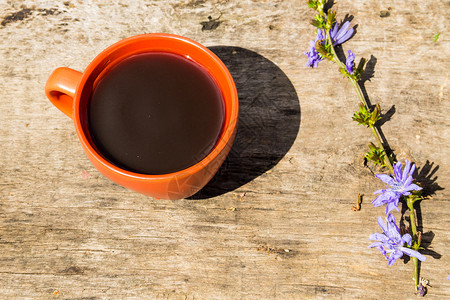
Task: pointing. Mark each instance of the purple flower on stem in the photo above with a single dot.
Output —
(401, 185)
(350, 62)
(340, 34)
(391, 243)
(313, 56)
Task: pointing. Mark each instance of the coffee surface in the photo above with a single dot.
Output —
(155, 113)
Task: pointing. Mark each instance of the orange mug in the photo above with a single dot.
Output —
(70, 91)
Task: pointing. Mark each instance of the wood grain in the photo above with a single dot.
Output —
(276, 222)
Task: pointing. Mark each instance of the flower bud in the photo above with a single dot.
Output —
(372, 147)
(331, 17)
(375, 114)
(321, 49)
(316, 23)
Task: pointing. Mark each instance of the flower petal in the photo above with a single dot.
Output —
(320, 35)
(381, 224)
(413, 187)
(376, 244)
(350, 61)
(391, 206)
(406, 170)
(394, 256)
(379, 191)
(407, 182)
(398, 171)
(313, 56)
(381, 248)
(394, 234)
(413, 253)
(393, 231)
(413, 168)
(390, 218)
(406, 238)
(334, 30)
(378, 237)
(380, 200)
(385, 178)
(345, 37)
(342, 30)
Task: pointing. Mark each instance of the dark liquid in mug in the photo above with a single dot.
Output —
(155, 113)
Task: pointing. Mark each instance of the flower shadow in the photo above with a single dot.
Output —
(427, 238)
(369, 71)
(269, 120)
(368, 74)
(426, 177)
(386, 117)
(329, 4)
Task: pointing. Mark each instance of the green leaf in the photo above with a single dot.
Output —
(344, 71)
(323, 50)
(362, 116)
(436, 37)
(312, 4)
(416, 195)
(316, 23)
(375, 114)
(365, 117)
(331, 17)
(372, 147)
(375, 155)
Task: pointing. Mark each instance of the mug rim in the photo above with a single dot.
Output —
(228, 129)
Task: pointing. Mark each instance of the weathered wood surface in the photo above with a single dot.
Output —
(276, 222)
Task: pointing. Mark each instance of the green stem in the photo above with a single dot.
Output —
(359, 92)
(416, 243)
(375, 132)
(412, 215)
(387, 161)
(362, 99)
(409, 201)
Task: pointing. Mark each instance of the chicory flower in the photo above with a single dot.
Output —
(313, 56)
(401, 185)
(340, 34)
(350, 62)
(391, 243)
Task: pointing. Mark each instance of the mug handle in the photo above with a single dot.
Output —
(60, 89)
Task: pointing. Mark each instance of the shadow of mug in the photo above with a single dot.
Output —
(269, 120)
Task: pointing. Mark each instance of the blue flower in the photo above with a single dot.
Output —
(391, 243)
(401, 185)
(340, 34)
(313, 56)
(350, 62)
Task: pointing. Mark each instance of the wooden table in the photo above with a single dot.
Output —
(276, 222)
